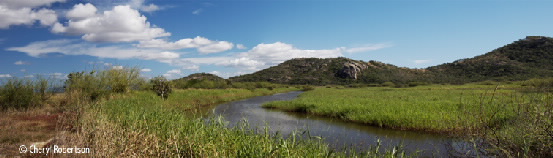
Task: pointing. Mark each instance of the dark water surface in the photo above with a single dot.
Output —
(338, 134)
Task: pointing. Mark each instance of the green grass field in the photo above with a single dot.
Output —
(430, 108)
(513, 120)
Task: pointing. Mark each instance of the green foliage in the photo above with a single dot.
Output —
(41, 86)
(542, 85)
(201, 80)
(307, 88)
(161, 86)
(521, 60)
(92, 85)
(388, 84)
(18, 94)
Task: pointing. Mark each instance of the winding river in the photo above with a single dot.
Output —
(338, 134)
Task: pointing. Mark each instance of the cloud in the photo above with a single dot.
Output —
(81, 11)
(118, 67)
(264, 55)
(73, 47)
(421, 61)
(121, 24)
(29, 76)
(215, 47)
(5, 75)
(243, 63)
(197, 11)
(191, 67)
(23, 70)
(366, 48)
(58, 75)
(150, 8)
(172, 74)
(145, 70)
(21, 63)
(25, 16)
(241, 46)
(27, 3)
(174, 71)
(203, 44)
(139, 4)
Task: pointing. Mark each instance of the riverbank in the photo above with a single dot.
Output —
(143, 120)
(489, 111)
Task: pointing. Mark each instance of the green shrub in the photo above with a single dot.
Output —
(414, 84)
(545, 85)
(307, 88)
(18, 94)
(92, 85)
(388, 84)
(161, 86)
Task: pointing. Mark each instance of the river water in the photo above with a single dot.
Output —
(338, 134)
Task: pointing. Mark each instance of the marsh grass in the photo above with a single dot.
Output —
(143, 125)
(507, 121)
(428, 108)
(162, 129)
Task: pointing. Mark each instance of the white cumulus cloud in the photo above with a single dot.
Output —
(5, 75)
(203, 44)
(81, 11)
(241, 46)
(121, 24)
(172, 74)
(25, 16)
(146, 70)
(27, 3)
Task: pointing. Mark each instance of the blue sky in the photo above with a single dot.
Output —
(176, 38)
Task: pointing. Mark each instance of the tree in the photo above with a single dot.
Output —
(161, 86)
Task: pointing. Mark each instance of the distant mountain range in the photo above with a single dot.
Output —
(523, 59)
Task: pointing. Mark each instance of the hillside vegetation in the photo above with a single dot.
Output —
(523, 59)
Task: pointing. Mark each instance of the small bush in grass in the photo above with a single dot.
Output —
(161, 86)
(307, 88)
(42, 86)
(543, 85)
(388, 84)
(92, 85)
(18, 94)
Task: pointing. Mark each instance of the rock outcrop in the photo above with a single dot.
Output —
(351, 70)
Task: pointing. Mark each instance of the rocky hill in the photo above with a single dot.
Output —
(523, 59)
(202, 76)
(318, 71)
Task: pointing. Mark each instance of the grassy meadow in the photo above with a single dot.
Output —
(115, 113)
(514, 119)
